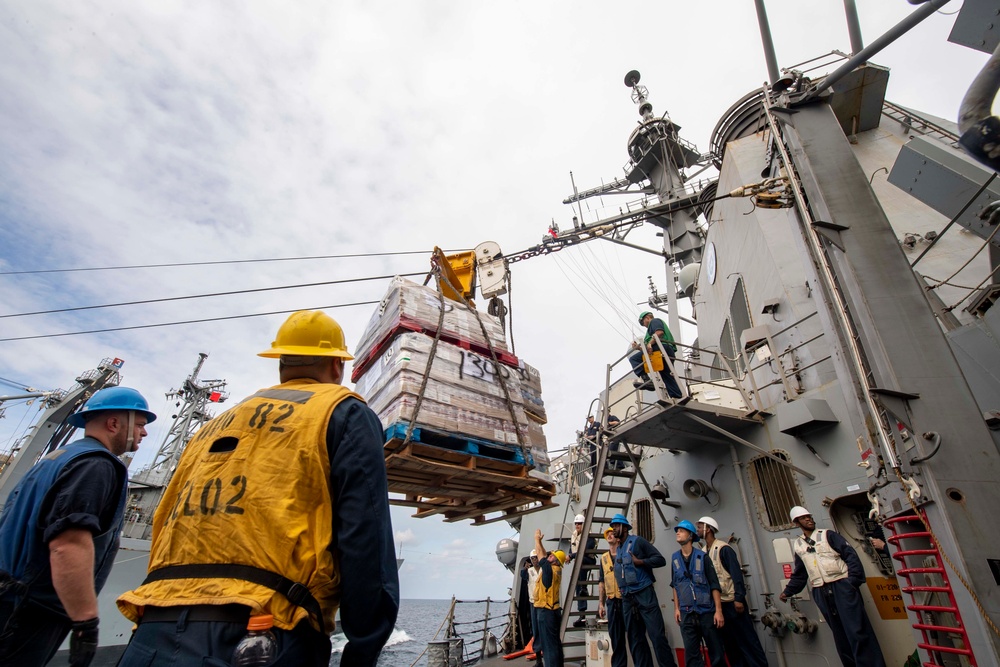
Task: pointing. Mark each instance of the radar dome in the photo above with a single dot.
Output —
(688, 277)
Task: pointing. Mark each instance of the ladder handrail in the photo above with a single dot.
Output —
(918, 609)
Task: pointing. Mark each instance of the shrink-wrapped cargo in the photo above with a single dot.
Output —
(531, 391)
(539, 450)
(463, 396)
(408, 306)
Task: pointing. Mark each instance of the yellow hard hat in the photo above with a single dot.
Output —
(309, 333)
(560, 556)
(608, 531)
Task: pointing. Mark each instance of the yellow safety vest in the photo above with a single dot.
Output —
(251, 488)
(548, 598)
(824, 565)
(728, 589)
(610, 583)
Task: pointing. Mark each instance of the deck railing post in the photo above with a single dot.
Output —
(486, 627)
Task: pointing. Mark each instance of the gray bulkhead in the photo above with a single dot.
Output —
(761, 258)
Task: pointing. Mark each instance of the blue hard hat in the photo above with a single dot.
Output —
(686, 525)
(620, 518)
(112, 398)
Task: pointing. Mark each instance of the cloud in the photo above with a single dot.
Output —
(406, 536)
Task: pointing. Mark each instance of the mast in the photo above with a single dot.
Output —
(51, 430)
(146, 486)
(192, 401)
(658, 155)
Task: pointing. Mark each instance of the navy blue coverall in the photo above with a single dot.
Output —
(738, 636)
(641, 608)
(842, 607)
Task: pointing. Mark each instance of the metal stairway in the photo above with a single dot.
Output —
(610, 494)
(933, 580)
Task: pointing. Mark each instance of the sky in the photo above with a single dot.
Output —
(140, 133)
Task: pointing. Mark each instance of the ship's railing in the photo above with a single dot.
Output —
(733, 379)
(622, 398)
(469, 637)
(574, 468)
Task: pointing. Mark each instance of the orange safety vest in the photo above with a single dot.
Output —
(548, 598)
(252, 488)
(610, 583)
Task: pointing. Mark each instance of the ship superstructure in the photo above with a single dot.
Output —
(843, 361)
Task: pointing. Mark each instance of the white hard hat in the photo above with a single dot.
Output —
(709, 521)
(578, 518)
(797, 512)
(533, 554)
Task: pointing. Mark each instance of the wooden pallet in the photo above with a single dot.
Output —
(460, 485)
(481, 512)
(498, 452)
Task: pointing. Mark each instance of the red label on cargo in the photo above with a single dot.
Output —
(786, 570)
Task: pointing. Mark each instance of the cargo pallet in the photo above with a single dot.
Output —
(487, 449)
(409, 325)
(458, 484)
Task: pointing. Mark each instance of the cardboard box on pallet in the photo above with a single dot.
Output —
(531, 391)
(408, 306)
(463, 396)
(539, 451)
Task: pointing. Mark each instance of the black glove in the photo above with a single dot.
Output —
(83, 642)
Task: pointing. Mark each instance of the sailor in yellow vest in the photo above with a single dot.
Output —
(610, 607)
(279, 507)
(738, 637)
(547, 602)
(834, 571)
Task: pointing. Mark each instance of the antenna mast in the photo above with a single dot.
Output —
(193, 399)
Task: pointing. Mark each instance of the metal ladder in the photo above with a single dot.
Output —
(610, 494)
(916, 123)
(926, 623)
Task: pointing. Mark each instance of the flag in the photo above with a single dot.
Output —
(215, 396)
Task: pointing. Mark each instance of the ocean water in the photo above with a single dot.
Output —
(416, 625)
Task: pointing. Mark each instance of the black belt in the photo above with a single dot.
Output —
(224, 613)
(295, 592)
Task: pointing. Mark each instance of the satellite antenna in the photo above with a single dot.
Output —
(639, 94)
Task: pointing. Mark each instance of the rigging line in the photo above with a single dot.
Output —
(621, 271)
(614, 302)
(595, 267)
(599, 286)
(14, 434)
(214, 263)
(13, 383)
(590, 283)
(578, 292)
(622, 291)
(171, 324)
(988, 277)
(969, 261)
(203, 296)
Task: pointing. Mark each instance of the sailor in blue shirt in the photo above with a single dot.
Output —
(697, 600)
(634, 565)
(59, 533)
